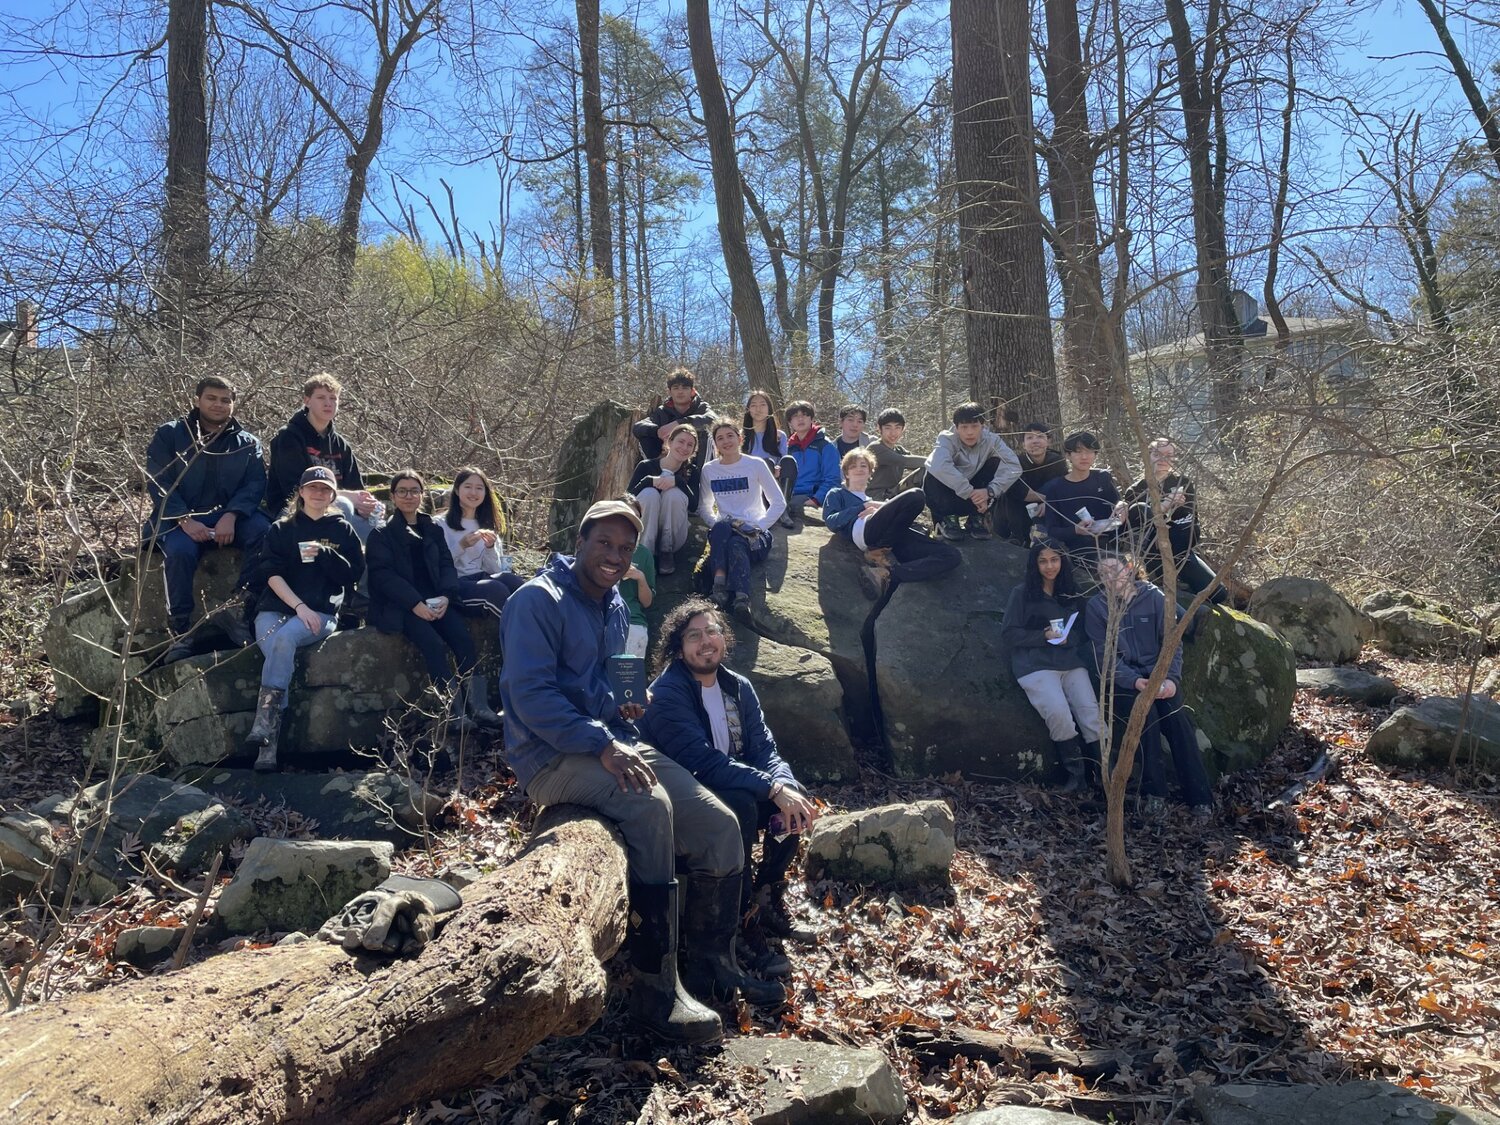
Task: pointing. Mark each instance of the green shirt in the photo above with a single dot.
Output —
(645, 562)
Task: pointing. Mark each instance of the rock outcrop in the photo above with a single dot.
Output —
(1425, 734)
(1409, 626)
(1350, 685)
(1315, 618)
(807, 1083)
(893, 844)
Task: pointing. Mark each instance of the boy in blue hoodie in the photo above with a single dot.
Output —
(817, 458)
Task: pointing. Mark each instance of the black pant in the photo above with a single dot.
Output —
(753, 815)
(435, 639)
(1168, 718)
(945, 502)
(918, 558)
(1193, 575)
(1012, 520)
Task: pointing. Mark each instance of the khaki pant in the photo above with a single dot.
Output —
(664, 519)
(677, 818)
(1062, 697)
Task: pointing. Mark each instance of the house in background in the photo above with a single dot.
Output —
(1171, 379)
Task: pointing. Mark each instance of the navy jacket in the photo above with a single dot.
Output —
(185, 479)
(554, 685)
(298, 446)
(1026, 621)
(817, 464)
(393, 583)
(677, 725)
(1142, 626)
(841, 509)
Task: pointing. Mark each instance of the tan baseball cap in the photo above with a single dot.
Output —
(604, 509)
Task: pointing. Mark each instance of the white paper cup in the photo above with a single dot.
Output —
(434, 604)
(308, 550)
(1057, 623)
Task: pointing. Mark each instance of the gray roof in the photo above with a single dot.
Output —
(1259, 334)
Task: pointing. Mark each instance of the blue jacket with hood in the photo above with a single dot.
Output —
(1138, 642)
(554, 682)
(676, 723)
(817, 464)
(188, 477)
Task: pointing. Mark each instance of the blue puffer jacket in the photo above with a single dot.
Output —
(817, 465)
(677, 725)
(554, 684)
(226, 475)
(1138, 644)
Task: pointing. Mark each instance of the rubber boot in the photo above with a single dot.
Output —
(658, 1001)
(710, 921)
(1091, 776)
(1070, 757)
(457, 718)
(182, 642)
(267, 728)
(479, 703)
(772, 914)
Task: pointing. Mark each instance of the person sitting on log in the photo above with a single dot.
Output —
(708, 719)
(569, 742)
(206, 479)
(892, 461)
(969, 467)
(666, 488)
(817, 460)
(894, 552)
(472, 528)
(1021, 507)
(412, 586)
(1084, 508)
(1046, 642)
(1138, 611)
(741, 502)
(1179, 502)
(306, 560)
(766, 440)
(309, 438)
(683, 405)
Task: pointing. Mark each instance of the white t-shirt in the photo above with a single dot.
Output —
(859, 524)
(478, 559)
(745, 490)
(718, 720)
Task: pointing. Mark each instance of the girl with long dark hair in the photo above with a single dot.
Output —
(472, 528)
(763, 438)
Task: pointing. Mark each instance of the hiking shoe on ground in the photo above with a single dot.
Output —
(979, 527)
(952, 527)
(873, 581)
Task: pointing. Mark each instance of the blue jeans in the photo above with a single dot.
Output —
(182, 555)
(734, 554)
(279, 636)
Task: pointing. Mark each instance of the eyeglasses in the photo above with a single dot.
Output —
(693, 636)
(407, 492)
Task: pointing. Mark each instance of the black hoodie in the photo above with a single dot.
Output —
(296, 447)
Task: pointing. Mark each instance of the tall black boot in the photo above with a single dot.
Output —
(710, 921)
(658, 1002)
(182, 645)
(770, 890)
(1070, 757)
(1091, 765)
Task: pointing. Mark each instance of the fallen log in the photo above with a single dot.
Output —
(310, 1033)
(1028, 1052)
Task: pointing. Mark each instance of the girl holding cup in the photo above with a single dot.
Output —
(1047, 656)
(413, 587)
(471, 526)
(307, 558)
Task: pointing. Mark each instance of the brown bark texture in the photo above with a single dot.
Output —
(309, 1033)
(749, 312)
(185, 215)
(1004, 270)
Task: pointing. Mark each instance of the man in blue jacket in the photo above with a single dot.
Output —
(817, 459)
(709, 720)
(569, 742)
(207, 478)
(1139, 611)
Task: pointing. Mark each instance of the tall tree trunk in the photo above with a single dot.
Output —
(1001, 248)
(1482, 112)
(579, 193)
(601, 250)
(1092, 344)
(749, 313)
(185, 214)
(621, 214)
(1202, 114)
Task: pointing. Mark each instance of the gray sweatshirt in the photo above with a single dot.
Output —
(953, 462)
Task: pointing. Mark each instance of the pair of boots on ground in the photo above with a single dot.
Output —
(468, 708)
(705, 912)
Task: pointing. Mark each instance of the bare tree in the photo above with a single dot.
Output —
(185, 211)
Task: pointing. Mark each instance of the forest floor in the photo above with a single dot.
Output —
(1355, 933)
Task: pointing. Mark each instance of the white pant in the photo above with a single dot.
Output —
(636, 640)
(664, 516)
(1059, 698)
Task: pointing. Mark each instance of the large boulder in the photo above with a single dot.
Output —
(807, 1083)
(1348, 685)
(285, 885)
(1424, 734)
(1239, 677)
(1410, 626)
(804, 705)
(1366, 1102)
(1314, 618)
(357, 805)
(594, 462)
(893, 844)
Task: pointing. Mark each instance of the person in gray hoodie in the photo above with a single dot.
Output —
(968, 469)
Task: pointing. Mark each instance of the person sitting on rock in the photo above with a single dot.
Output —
(569, 742)
(969, 467)
(472, 528)
(708, 719)
(306, 560)
(207, 480)
(1021, 507)
(1179, 503)
(740, 503)
(766, 440)
(683, 405)
(817, 460)
(852, 434)
(894, 552)
(1083, 505)
(667, 489)
(892, 461)
(1046, 642)
(1139, 612)
(412, 586)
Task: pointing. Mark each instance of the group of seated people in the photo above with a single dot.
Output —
(692, 777)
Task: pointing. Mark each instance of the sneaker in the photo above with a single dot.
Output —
(1201, 812)
(873, 581)
(979, 527)
(787, 520)
(952, 528)
(758, 958)
(741, 607)
(666, 563)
